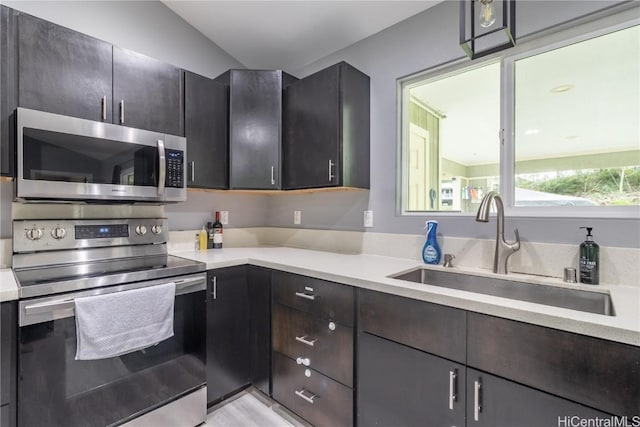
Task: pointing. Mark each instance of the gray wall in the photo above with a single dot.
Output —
(421, 42)
(149, 27)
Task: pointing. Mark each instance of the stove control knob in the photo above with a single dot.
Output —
(156, 229)
(58, 233)
(141, 230)
(34, 233)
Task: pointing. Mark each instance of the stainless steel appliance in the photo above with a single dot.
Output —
(66, 158)
(57, 261)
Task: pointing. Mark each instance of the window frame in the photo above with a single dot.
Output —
(529, 46)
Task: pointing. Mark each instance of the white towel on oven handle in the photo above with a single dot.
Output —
(118, 323)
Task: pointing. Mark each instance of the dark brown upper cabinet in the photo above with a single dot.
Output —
(255, 127)
(148, 93)
(205, 117)
(62, 71)
(8, 83)
(326, 130)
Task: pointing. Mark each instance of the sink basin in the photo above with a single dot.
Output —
(574, 299)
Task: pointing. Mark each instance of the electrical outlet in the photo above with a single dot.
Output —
(368, 219)
(297, 217)
(224, 217)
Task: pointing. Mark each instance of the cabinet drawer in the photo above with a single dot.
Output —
(297, 334)
(323, 299)
(595, 372)
(429, 327)
(316, 398)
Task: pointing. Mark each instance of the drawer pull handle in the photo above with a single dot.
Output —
(306, 295)
(301, 394)
(477, 405)
(303, 361)
(453, 375)
(303, 339)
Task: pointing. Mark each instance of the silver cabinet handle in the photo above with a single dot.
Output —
(273, 175)
(306, 296)
(122, 111)
(214, 294)
(453, 375)
(104, 107)
(162, 167)
(331, 175)
(477, 406)
(301, 394)
(303, 339)
(193, 171)
(303, 361)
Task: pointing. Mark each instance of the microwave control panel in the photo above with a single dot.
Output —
(175, 169)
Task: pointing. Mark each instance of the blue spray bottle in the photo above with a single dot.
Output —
(431, 252)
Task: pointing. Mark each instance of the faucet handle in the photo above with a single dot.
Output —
(448, 260)
(516, 245)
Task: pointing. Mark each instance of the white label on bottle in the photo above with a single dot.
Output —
(431, 253)
(217, 238)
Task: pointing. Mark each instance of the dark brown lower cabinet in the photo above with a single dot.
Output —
(313, 396)
(328, 345)
(496, 402)
(228, 348)
(8, 365)
(259, 281)
(402, 386)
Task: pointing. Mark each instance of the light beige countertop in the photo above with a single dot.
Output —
(8, 285)
(371, 271)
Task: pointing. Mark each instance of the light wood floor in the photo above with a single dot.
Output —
(251, 409)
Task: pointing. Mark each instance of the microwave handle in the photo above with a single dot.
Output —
(162, 167)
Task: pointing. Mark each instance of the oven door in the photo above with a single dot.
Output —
(67, 158)
(54, 389)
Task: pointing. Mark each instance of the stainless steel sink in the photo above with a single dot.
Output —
(574, 299)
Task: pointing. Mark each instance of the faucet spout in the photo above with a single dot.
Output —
(504, 248)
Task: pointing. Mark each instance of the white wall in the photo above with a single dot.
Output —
(418, 43)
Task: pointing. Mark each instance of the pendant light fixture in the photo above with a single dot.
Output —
(487, 26)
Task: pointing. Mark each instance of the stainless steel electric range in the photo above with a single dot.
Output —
(57, 261)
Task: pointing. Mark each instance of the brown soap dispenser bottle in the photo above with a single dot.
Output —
(589, 260)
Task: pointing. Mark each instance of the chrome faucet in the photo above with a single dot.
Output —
(504, 249)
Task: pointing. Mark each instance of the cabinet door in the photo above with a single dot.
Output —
(255, 104)
(311, 131)
(228, 367)
(496, 402)
(326, 129)
(62, 71)
(148, 94)
(8, 368)
(574, 366)
(8, 89)
(401, 386)
(205, 112)
(259, 280)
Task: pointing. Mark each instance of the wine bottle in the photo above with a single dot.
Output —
(217, 232)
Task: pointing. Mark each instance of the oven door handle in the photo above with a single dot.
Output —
(162, 167)
(49, 306)
(192, 284)
(183, 286)
(62, 307)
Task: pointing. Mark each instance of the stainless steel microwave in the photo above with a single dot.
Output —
(66, 158)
